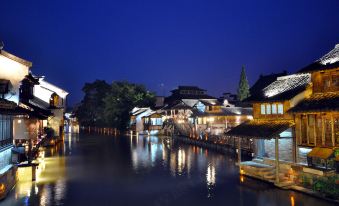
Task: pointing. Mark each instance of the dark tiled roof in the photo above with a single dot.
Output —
(180, 105)
(260, 129)
(178, 97)
(321, 102)
(326, 62)
(283, 88)
(264, 81)
(40, 108)
(317, 66)
(227, 111)
(210, 102)
(5, 104)
(189, 88)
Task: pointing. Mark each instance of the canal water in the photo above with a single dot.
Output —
(105, 170)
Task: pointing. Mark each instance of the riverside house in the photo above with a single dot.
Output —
(272, 128)
(12, 71)
(317, 116)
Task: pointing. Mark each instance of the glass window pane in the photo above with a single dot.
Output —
(268, 109)
(280, 109)
(274, 109)
(263, 109)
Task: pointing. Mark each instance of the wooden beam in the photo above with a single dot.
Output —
(332, 130)
(239, 154)
(315, 129)
(307, 130)
(294, 146)
(277, 159)
(323, 130)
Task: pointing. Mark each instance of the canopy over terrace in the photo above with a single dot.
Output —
(261, 129)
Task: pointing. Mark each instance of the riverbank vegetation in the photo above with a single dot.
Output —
(108, 105)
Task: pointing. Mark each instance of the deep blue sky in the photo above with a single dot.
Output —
(195, 42)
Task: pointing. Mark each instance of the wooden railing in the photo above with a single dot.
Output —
(100, 130)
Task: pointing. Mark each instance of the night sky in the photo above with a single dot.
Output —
(168, 42)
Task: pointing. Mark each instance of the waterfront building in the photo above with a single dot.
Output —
(272, 128)
(153, 122)
(317, 117)
(55, 99)
(136, 119)
(12, 71)
(71, 123)
(29, 129)
(189, 95)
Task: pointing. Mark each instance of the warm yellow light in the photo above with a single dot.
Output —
(292, 201)
(242, 172)
(19, 121)
(2, 188)
(242, 178)
(25, 174)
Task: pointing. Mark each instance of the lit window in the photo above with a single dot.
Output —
(280, 109)
(274, 109)
(268, 109)
(263, 109)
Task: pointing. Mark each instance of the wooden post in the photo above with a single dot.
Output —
(315, 130)
(323, 130)
(294, 146)
(332, 131)
(307, 130)
(239, 154)
(277, 159)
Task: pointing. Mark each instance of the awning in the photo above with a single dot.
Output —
(321, 152)
(16, 111)
(322, 102)
(260, 129)
(11, 108)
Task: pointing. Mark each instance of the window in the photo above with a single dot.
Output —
(274, 109)
(268, 109)
(335, 81)
(327, 82)
(263, 109)
(311, 128)
(280, 109)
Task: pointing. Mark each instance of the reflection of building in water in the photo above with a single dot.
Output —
(181, 160)
(144, 151)
(210, 175)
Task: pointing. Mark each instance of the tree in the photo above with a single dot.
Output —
(243, 89)
(91, 109)
(121, 99)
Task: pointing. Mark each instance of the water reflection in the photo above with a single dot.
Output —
(132, 170)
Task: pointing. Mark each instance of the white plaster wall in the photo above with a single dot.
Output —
(57, 120)
(15, 72)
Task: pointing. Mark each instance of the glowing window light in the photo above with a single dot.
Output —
(262, 109)
(280, 109)
(274, 108)
(268, 109)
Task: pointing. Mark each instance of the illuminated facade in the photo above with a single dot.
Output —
(12, 71)
(317, 117)
(56, 98)
(272, 128)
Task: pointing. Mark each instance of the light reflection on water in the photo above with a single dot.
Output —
(132, 170)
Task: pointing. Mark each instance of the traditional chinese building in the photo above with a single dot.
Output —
(215, 118)
(317, 116)
(12, 71)
(272, 128)
(55, 99)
